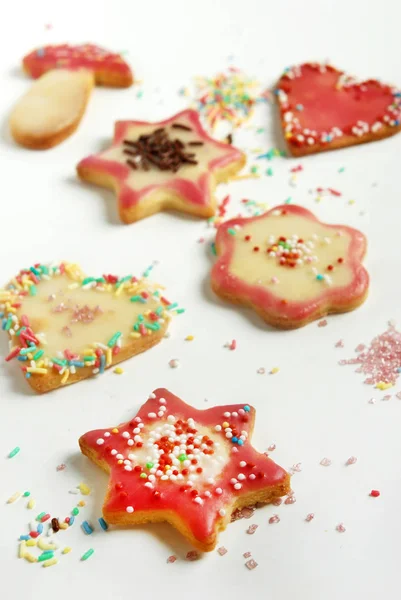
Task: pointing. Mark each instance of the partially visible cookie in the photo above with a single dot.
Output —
(172, 164)
(290, 267)
(192, 468)
(109, 68)
(52, 109)
(64, 326)
(323, 108)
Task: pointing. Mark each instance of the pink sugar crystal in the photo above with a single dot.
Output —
(247, 554)
(252, 528)
(274, 519)
(222, 551)
(296, 468)
(398, 395)
(251, 564)
(309, 517)
(171, 559)
(351, 460)
(382, 359)
(192, 555)
(242, 513)
(272, 447)
(339, 344)
(340, 527)
(325, 462)
(277, 501)
(290, 499)
(61, 467)
(387, 397)
(322, 323)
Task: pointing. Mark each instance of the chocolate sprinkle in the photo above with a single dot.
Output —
(180, 126)
(229, 139)
(195, 143)
(159, 150)
(55, 525)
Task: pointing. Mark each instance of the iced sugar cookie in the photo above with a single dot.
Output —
(290, 267)
(64, 326)
(108, 68)
(52, 109)
(189, 467)
(172, 164)
(323, 108)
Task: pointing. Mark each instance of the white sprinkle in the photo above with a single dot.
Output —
(218, 491)
(152, 415)
(237, 486)
(242, 463)
(130, 509)
(222, 512)
(100, 441)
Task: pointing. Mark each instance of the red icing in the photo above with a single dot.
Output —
(265, 299)
(321, 98)
(89, 56)
(126, 488)
(194, 192)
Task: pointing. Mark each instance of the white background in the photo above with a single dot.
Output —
(311, 409)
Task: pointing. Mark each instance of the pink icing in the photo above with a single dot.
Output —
(265, 299)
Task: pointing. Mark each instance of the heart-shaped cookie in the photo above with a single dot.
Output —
(322, 108)
(64, 326)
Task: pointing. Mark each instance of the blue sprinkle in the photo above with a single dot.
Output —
(240, 442)
(76, 363)
(396, 122)
(1, 314)
(103, 524)
(39, 528)
(102, 363)
(88, 529)
(22, 358)
(319, 277)
(72, 519)
(27, 375)
(247, 408)
(40, 52)
(299, 106)
(234, 440)
(24, 537)
(399, 369)
(4, 323)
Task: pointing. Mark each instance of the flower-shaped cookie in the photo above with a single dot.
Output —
(189, 467)
(172, 164)
(323, 109)
(289, 267)
(64, 326)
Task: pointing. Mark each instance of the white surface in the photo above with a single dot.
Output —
(312, 408)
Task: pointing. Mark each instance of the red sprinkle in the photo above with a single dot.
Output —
(334, 192)
(13, 354)
(233, 345)
(45, 518)
(34, 534)
(375, 493)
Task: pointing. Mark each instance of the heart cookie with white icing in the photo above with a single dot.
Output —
(290, 267)
(192, 468)
(172, 164)
(323, 108)
(64, 326)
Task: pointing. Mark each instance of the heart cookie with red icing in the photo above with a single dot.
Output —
(290, 267)
(192, 468)
(322, 108)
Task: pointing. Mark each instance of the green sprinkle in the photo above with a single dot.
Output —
(38, 354)
(26, 494)
(8, 324)
(171, 306)
(254, 169)
(113, 340)
(89, 358)
(88, 280)
(152, 326)
(143, 476)
(35, 271)
(213, 247)
(100, 280)
(46, 555)
(123, 280)
(146, 273)
(156, 293)
(182, 457)
(44, 269)
(20, 330)
(135, 327)
(27, 350)
(341, 170)
(276, 152)
(14, 452)
(139, 94)
(288, 201)
(32, 290)
(159, 311)
(140, 318)
(260, 130)
(269, 171)
(75, 511)
(179, 311)
(58, 361)
(87, 554)
(138, 298)
(149, 465)
(231, 231)
(40, 515)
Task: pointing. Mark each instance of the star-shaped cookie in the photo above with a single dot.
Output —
(172, 164)
(290, 267)
(323, 108)
(189, 467)
(64, 326)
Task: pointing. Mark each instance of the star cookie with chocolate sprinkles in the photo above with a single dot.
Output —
(172, 164)
(192, 468)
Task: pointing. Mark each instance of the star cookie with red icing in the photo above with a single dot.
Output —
(172, 164)
(109, 68)
(323, 108)
(290, 267)
(189, 467)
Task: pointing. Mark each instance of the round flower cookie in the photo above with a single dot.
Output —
(192, 468)
(64, 326)
(323, 108)
(172, 164)
(290, 267)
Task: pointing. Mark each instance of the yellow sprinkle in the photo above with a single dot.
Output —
(22, 548)
(189, 338)
(274, 370)
(119, 289)
(31, 542)
(36, 371)
(88, 352)
(30, 558)
(66, 550)
(11, 310)
(120, 462)
(225, 424)
(40, 364)
(14, 497)
(135, 334)
(63, 525)
(119, 370)
(114, 430)
(43, 545)
(247, 176)
(50, 563)
(84, 489)
(65, 376)
(351, 202)
(31, 503)
(108, 357)
(82, 503)
(382, 385)
(30, 355)
(73, 286)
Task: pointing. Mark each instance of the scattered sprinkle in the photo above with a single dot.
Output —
(66, 550)
(322, 323)
(118, 371)
(309, 517)
(192, 555)
(14, 498)
(174, 363)
(374, 493)
(261, 371)
(325, 462)
(61, 467)
(84, 489)
(172, 558)
(351, 460)
(252, 528)
(189, 338)
(274, 519)
(14, 452)
(103, 524)
(246, 554)
(251, 564)
(274, 370)
(87, 554)
(222, 550)
(339, 344)
(340, 527)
